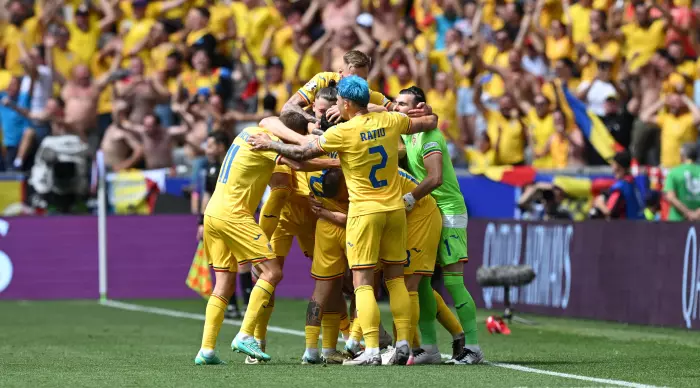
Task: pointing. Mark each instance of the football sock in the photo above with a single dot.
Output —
(368, 315)
(356, 332)
(415, 315)
(270, 212)
(214, 317)
(446, 318)
(312, 333)
(330, 323)
(264, 320)
(400, 304)
(345, 325)
(259, 299)
(428, 312)
(246, 280)
(466, 309)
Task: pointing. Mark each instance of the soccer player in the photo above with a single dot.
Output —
(356, 63)
(367, 145)
(429, 161)
(232, 237)
(217, 144)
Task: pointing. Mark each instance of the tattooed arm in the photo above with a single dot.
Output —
(262, 142)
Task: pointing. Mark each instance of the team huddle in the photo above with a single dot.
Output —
(331, 160)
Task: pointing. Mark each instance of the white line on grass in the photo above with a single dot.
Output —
(299, 333)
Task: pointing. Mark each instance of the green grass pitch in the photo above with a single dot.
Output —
(84, 344)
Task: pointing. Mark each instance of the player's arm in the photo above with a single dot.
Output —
(422, 124)
(433, 166)
(337, 218)
(274, 125)
(311, 165)
(262, 142)
(296, 104)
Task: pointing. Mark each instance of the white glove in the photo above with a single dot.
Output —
(409, 201)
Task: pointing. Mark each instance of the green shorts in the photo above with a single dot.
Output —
(453, 246)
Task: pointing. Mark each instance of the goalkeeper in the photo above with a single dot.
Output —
(429, 162)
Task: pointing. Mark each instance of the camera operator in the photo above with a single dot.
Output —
(624, 199)
(544, 202)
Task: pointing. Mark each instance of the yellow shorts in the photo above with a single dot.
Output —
(228, 244)
(296, 219)
(329, 254)
(422, 244)
(376, 236)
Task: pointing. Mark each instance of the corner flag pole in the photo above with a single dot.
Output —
(101, 225)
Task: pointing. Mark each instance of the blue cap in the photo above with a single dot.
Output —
(355, 89)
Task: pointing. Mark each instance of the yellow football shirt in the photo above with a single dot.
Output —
(97, 68)
(425, 206)
(675, 131)
(29, 33)
(368, 148)
(394, 85)
(322, 80)
(84, 43)
(580, 23)
(445, 107)
(64, 61)
(507, 138)
(643, 41)
(557, 49)
(341, 201)
(138, 31)
(242, 180)
(541, 128)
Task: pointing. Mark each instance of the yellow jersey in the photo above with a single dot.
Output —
(64, 61)
(423, 207)
(322, 80)
(580, 23)
(340, 202)
(643, 41)
(84, 43)
(675, 131)
(242, 180)
(445, 106)
(541, 129)
(507, 138)
(368, 148)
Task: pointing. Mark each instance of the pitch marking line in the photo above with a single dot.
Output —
(299, 333)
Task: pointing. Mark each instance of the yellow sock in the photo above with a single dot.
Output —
(214, 317)
(312, 333)
(400, 304)
(356, 332)
(415, 315)
(368, 315)
(263, 321)
(330, 323)
(345, 325)
(259, 298)
(446, 317)
(270, 212)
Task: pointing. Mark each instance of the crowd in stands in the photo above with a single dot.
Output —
(146, 81)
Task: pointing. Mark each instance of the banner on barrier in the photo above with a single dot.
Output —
(636, 272)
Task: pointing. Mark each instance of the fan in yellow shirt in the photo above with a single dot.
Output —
(579, 18)
(85, 33)
(443, 99)
(678, 118)
(601, 46)
(406, 72)
(497, 55)
(558, 44)
(64, 59)
(301, 58)
(540, 127)
(275, 85)
(643, 37)
(28, 31)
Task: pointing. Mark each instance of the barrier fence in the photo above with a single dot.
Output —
(635, 272)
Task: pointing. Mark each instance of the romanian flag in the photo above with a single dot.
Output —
(593, 129)
(577, 187)
(199, 278)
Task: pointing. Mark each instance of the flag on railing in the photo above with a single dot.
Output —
(592, 127)
(199, 278)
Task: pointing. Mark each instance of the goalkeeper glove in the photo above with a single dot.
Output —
(409, 201)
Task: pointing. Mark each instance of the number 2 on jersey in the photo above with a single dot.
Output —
(376, 183)
(226, 165)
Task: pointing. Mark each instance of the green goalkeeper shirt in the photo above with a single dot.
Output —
(421, 145)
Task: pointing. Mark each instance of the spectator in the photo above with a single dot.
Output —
(544, 202)
(624, 200)
(653, 206)
(682, 187)
(157, 141)
(122, 149)
(339, 15)
(13, 123)
(678, 122)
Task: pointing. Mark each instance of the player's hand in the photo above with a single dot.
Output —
(200, 232)
(422, 109)
(409, 202)
(260, 141)
(314, 203)
(333, 114)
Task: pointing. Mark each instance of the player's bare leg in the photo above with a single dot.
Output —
(225, 284)
(367, 317)
(270, 274)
